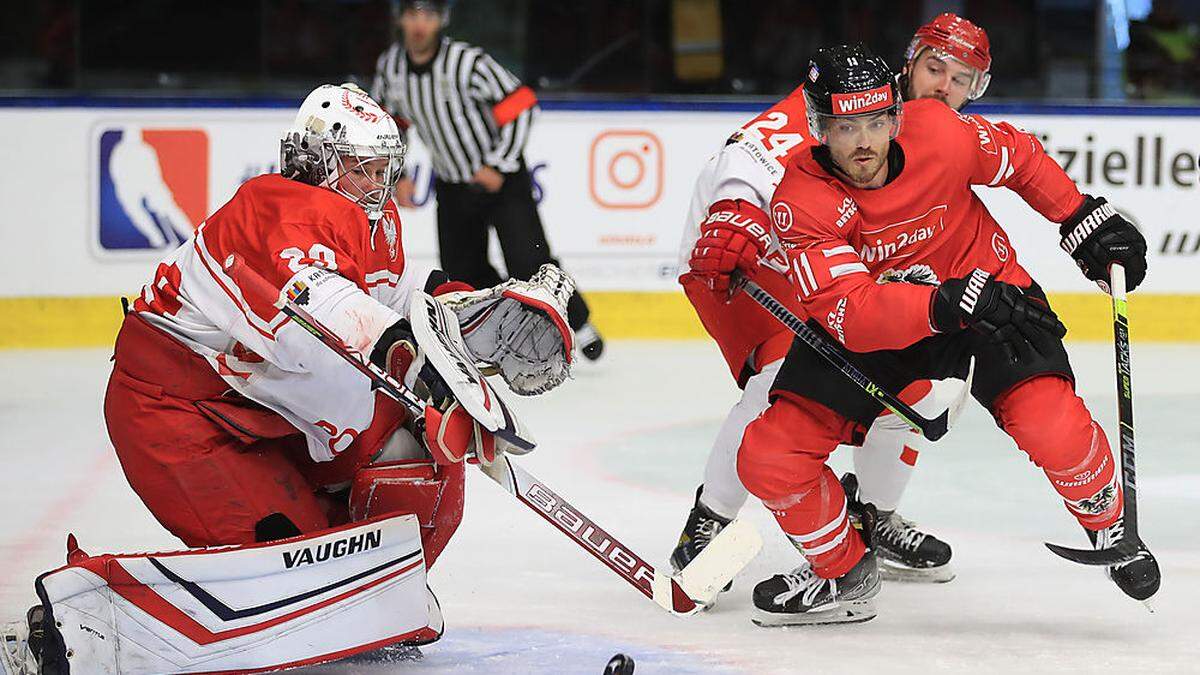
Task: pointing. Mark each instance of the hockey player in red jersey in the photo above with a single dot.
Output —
(727, 228)
(238, 429)
(240, 377)
(900, 263)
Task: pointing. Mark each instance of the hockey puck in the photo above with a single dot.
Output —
(619, 664)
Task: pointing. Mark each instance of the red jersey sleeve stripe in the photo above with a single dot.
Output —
(513, 105)
(839, 250)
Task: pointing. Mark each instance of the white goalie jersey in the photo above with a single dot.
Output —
(350, 275)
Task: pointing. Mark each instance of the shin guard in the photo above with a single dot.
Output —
(818, 524)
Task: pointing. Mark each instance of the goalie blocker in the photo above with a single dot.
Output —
(254, 608)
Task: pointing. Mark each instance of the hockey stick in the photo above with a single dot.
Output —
(933, 429)
(1126, 549)
(684, 593)
(687, 592)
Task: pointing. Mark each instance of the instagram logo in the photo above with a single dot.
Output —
(625, 170)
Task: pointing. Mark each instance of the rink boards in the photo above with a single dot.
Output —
(103, 188)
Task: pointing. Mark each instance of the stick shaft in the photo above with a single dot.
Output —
(932, 429)
(1124, 397)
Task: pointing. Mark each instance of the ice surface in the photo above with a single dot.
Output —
(625, 442)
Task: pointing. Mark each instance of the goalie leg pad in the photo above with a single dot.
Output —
(253, 608)
(434, 494)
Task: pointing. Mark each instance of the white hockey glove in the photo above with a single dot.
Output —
(520, 328)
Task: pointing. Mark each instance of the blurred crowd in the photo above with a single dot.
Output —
(1043, 49)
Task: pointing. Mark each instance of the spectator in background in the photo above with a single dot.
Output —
(1163, 59)
(475, 118)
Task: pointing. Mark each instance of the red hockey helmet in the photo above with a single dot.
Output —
(951, 36)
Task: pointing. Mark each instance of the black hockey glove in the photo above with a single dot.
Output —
(1097, 236)
(1000, 311)
(396, 351)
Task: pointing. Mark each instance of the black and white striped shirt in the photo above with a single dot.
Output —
(468, 110)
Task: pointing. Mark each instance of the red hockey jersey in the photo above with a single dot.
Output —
(845, 245)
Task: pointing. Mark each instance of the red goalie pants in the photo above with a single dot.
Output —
(783, 454)
(213, 467)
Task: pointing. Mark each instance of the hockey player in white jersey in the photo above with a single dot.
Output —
(239, 430)
(727, 229)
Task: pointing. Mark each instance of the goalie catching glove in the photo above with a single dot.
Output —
(520, 329)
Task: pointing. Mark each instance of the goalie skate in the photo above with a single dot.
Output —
(16, 656)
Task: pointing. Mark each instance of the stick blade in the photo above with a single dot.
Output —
(670, 596)
(1122, 552)
(938, 426)
(724, 557)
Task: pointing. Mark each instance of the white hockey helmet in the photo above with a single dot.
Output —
(344, 141)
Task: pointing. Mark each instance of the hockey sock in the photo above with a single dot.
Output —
(819, 526)
(1070, 447)
(723, 492)
(782, 462)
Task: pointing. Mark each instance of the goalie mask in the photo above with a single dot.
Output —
(344, 141)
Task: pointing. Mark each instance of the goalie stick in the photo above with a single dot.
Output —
(1126, 549)
(933, 429)
(687, 592)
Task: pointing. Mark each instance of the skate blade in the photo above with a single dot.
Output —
(892, 571)
(847, 612)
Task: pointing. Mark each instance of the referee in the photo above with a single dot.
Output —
(474, 117)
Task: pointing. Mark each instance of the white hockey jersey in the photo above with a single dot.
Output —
(750, 165)
(285, 231)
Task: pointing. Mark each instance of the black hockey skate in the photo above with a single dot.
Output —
(905, 552)
(591, 345)
(801, 598)
(701, 526)
(1139, 578)
(908, 554)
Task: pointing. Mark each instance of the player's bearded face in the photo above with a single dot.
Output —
(859, 146)
(946, 79)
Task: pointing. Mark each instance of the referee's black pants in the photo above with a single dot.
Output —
(464, 214)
